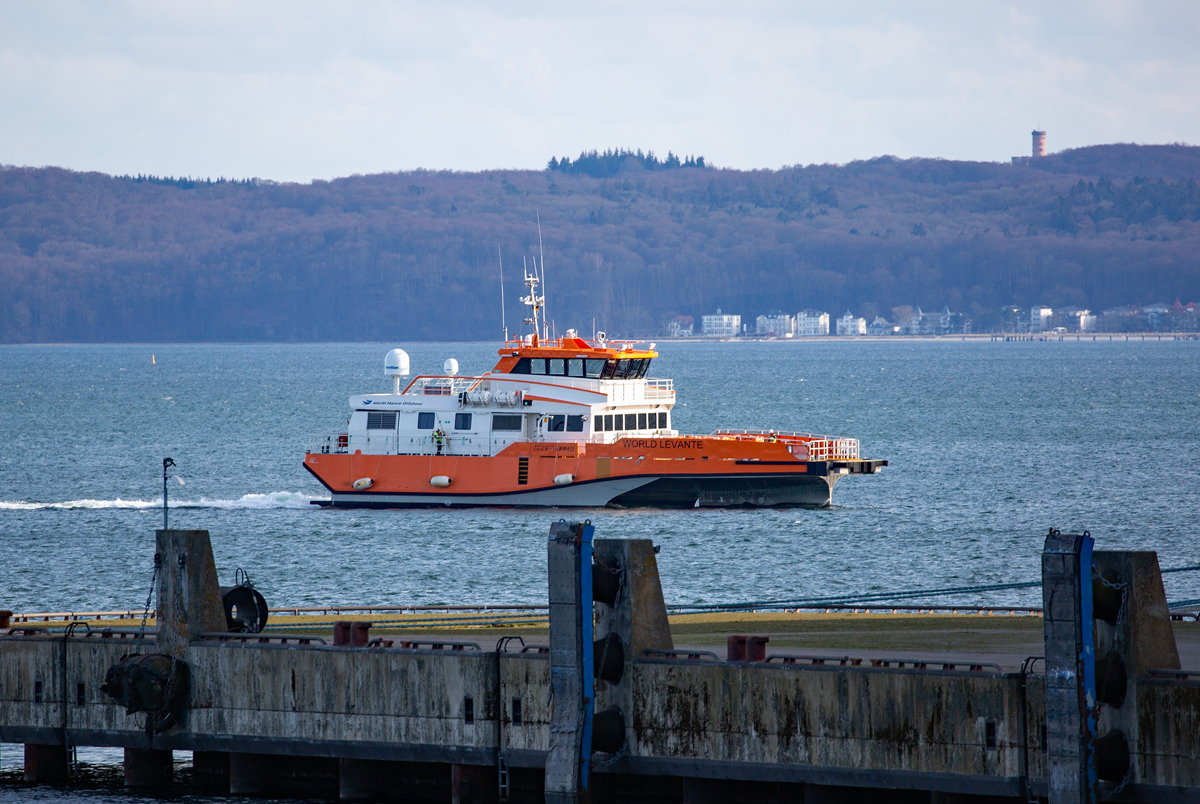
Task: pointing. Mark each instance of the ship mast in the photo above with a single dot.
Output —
(536, 302)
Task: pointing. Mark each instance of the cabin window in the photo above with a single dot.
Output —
(462, 421)
(575, 367)
(558, 367)
(610, 370)
(608, 422)
(381, 420)
(641, 421)
(507, 422)
(522, 366)
(662, 421)
(574, 424)
(537, 365)
(630, 421)
(594, 368)
(645, 367)
(622, 372)
(557, 423)
(425, 421)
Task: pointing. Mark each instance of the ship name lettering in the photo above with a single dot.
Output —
(666, 443)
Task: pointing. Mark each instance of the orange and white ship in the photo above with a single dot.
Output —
(561, 422)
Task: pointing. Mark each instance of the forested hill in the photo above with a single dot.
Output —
(413, 256)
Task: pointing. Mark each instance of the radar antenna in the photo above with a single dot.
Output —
(533, 300)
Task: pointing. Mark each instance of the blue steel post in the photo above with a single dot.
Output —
(1070, 668)
(569, 565)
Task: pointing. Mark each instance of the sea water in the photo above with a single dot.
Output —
(989, 445)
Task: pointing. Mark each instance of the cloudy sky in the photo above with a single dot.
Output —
(299, 90)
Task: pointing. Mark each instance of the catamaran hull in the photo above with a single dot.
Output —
(768, 491)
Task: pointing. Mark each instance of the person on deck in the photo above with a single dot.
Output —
(439, 439)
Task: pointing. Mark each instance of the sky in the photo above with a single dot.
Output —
(297, 90)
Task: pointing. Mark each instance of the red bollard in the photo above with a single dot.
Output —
(756, 648)
(360, 634)
(735, 648)
(341, 632)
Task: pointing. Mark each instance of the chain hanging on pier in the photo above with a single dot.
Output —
(149, 597)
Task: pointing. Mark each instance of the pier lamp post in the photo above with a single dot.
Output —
(167, 463)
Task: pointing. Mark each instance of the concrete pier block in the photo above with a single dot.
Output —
(188, 595)
(253, 774)
(473, 784)
(46, 764)
(210, 771)
(148, 768)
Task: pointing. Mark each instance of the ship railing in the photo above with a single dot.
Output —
(805, 446)
(372, 444)
(832, 449)
(328, 444)
(659, 388)
(430, 385)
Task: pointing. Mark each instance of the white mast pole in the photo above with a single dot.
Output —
(503, 324)
(542, 255)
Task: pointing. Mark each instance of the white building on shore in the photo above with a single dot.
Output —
(779, 324)
(721, 325)
(849, 325)
(1040, 318)
(812, 322)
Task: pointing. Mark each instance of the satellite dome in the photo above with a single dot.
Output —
(450, 367)
(396, 363)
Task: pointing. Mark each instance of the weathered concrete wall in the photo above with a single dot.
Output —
(1168, 744)
(855, 719)
(752, 721)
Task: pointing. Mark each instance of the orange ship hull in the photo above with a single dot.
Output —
(681, 471)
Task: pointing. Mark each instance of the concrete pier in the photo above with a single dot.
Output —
(380, 723)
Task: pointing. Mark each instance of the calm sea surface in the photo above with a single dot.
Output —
(989, 445)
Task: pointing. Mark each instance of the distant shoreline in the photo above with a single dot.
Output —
(1097, 337)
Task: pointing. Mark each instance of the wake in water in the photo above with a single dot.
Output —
(274, 499)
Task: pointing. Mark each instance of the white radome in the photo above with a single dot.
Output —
(396, 363)
(450, 367)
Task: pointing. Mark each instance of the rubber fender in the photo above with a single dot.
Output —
(441, 481)
(564, 479)
(362, 484)
(150, 682)
(1112, 756)
(608, 731)
(245, 609)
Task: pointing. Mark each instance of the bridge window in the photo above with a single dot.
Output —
(641, 421)
(574, 424)
(662, 421)
(608, 423)
(557, 423)
(462, 421)
(382, 420)
(575, 367)
(507, 422)
(558, 367)
(594, 368)
(425, 421)
(537, 365)
(628, 369)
